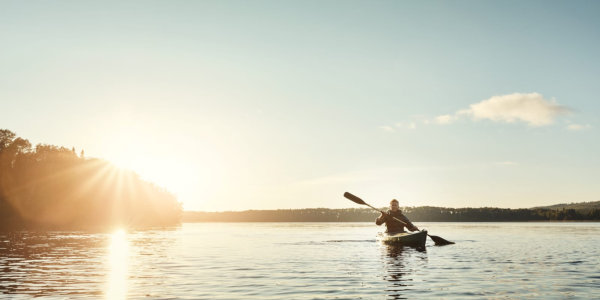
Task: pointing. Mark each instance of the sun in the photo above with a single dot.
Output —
(165, 172)
(188, 169)
(172, 172)
(134, 151)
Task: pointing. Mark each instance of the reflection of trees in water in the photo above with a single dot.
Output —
(45, 263)
(399, 264)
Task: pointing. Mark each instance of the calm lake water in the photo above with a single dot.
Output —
(305, 261)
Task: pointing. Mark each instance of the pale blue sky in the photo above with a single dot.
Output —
(286, 104)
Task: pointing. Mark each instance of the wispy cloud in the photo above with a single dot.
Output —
(406, 125)
(445, 119)
(399, 126)
(392, 174)
(530, 108)
(357, 176)
(578, 127)
(387, 128)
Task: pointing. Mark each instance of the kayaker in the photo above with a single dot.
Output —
(392, 225)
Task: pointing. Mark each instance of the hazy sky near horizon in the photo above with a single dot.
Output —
(237, 105)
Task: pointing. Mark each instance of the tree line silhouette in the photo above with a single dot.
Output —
(51, 187)
(417, 214)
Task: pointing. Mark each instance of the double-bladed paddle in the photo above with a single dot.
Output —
(436, 239)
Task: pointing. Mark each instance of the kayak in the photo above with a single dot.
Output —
(415, 239)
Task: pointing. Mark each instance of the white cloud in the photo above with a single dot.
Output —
(530, 108)
(506, 163)
(577, 127)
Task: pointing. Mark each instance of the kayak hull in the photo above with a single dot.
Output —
(413, 239)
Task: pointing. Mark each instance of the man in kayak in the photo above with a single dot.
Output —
(392, 225)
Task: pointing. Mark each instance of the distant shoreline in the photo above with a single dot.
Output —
(415, 214)
(534, 221)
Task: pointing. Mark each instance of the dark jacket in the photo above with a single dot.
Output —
(392, 225)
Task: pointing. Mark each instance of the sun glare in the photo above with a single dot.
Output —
(159, 170)
(168, 173)
(118, 262)
(165, 164)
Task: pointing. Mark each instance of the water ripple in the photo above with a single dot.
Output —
(304, 261)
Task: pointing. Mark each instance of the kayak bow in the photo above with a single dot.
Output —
(414, 239)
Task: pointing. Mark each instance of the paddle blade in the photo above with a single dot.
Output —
(354, 199)
(440, 241)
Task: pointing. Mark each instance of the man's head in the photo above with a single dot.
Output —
(394, 205)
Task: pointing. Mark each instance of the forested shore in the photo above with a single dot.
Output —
(51, 187)
(416, 214)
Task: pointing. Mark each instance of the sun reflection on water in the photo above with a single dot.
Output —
(118, 262)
